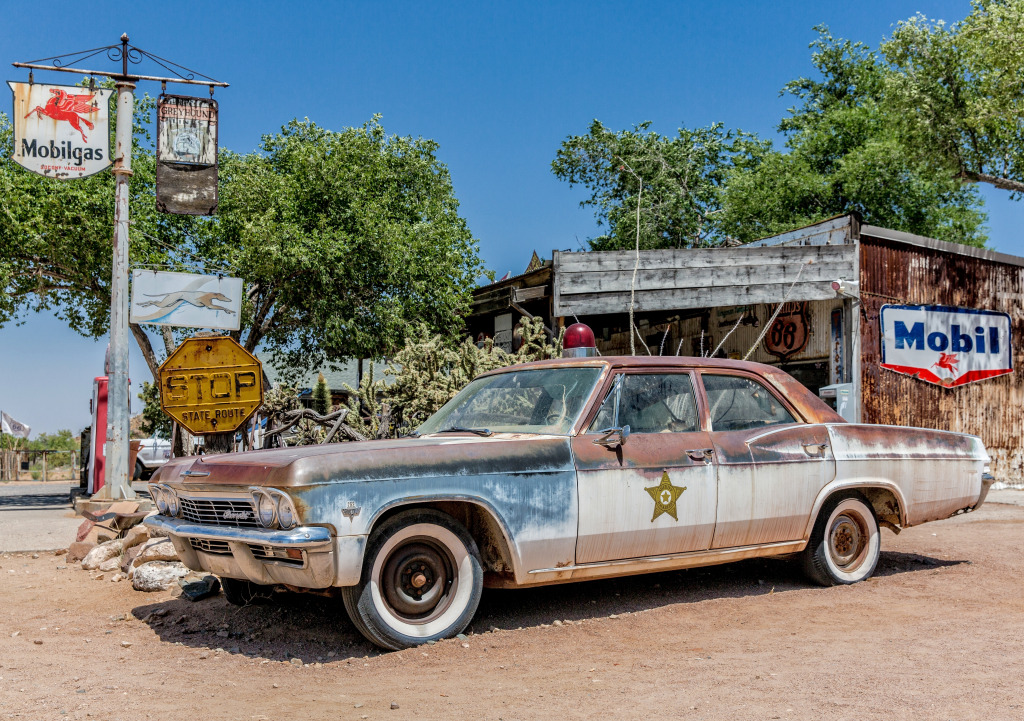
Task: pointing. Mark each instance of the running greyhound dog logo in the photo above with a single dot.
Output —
(69, 107)
(175, 300)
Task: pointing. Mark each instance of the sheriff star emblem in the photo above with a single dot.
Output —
(665, 496)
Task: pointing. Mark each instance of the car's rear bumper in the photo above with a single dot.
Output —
(987, 479)
(303, 556)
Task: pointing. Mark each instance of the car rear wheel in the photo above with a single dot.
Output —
(845, 542)
(421, 581)
(139, 470)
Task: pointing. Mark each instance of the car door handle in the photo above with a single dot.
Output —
(810, 447)
(701, 454)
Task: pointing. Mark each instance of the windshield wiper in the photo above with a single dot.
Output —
(460, 429)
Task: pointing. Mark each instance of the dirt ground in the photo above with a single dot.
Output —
(936, 634)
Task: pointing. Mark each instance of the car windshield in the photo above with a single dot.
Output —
(525, 401)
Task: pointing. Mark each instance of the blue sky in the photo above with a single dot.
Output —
(498, 85)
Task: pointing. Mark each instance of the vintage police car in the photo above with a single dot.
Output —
(565, 470)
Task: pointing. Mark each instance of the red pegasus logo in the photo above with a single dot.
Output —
(947, 361)
(65, 106)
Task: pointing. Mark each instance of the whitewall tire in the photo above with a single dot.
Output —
(845, 543)
(422, 580)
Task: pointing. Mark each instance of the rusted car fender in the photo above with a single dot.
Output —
(889, 517)
(511, 549)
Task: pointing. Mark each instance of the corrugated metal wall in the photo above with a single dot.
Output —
(892, 272)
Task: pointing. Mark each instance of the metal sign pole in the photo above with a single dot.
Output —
(116, 483)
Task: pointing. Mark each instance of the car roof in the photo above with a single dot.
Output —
(654, 361)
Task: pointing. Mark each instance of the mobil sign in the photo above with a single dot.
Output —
(946, 345)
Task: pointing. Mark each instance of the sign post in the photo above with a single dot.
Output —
(76, 110)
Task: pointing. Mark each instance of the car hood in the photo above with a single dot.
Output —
(397, 459)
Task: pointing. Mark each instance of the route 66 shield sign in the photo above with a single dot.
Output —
(790, 331)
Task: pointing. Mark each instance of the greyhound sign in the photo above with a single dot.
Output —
(61, 131)
(186, 300)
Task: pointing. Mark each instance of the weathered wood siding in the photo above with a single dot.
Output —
(599, 282)
(898, 272)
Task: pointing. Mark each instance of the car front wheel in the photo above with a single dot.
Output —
(845, 543)
(421, 581)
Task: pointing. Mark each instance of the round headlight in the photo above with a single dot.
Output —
(160, 498)
(266, 509)
(173, 505)
(285, 511)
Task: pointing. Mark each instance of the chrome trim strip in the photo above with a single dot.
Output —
(782, 546)
(308, 537)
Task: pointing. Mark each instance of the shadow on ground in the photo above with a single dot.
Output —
(310, 628)
(35, 501)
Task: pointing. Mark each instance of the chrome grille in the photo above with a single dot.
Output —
(202, 544)
(211, 512)
(260, 552)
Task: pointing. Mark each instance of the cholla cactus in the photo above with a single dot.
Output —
(369, 411)
(429, 372)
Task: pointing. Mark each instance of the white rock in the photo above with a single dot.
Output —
(136, 535)
(102, 552)
(155, 549)
(157, 575)
(111, 564)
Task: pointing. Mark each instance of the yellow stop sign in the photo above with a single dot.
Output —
(211, 385)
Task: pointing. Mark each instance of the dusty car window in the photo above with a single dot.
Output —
(739, 403)
(527, 401)
(651, 403)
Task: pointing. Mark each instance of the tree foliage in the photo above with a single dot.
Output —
(844, 154)
(345, 239)
(956, 92)
(681, 179)
(154, 421)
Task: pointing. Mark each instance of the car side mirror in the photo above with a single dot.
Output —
(613, 437)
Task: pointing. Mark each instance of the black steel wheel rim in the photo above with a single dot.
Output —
(418, 580)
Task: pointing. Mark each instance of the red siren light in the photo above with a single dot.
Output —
(579, 342)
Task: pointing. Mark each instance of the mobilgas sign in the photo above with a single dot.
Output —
(61, 131)
(945, 345)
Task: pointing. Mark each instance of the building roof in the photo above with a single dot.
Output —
(941, 245)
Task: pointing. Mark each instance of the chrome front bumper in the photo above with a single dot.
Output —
(254, 554)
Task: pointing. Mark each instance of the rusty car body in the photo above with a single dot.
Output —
(586, 468)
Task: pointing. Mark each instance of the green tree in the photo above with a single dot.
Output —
(154, 421)
(321, 396)
(345, 239)
(956, 92)
(677, 182)
(843, 154)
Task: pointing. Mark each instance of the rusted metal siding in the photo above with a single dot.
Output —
(897, 272)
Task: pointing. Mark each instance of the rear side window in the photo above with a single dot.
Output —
(738, 403)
